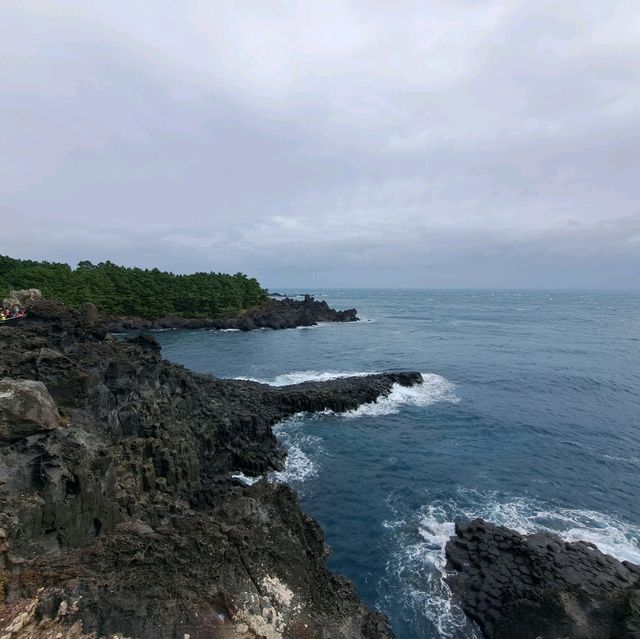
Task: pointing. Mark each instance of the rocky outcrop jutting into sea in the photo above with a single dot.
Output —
(274, 313)
(119, 516)
(541, 587)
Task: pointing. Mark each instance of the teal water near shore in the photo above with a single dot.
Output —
(529, 416)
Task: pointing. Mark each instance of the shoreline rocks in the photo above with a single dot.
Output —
(540, 587)
(274, 313)
(123, 519)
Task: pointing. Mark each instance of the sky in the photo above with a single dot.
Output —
(362, 143)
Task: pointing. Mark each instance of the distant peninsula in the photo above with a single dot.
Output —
(128, 298)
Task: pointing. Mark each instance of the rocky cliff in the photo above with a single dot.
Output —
(119, 515)
(541, 587)
(274, 313)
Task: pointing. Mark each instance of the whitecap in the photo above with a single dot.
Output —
(434, 388)
(298, 377)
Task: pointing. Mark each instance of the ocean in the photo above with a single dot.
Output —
(529, 416)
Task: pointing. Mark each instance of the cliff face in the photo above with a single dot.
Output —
(118, 512)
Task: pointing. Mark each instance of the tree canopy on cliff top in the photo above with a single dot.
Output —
(121, 290)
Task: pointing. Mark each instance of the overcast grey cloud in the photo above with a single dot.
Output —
(435, 144)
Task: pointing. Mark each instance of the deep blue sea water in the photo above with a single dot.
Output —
(529, 416)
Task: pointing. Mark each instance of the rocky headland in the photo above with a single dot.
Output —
(540, 587)
(119, 512)
(273, 313)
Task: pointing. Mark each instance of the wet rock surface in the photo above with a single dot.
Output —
(539, 586)
(274, 313)
(119, 515)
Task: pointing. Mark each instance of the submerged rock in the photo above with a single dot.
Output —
(128, 522)
(541, 587)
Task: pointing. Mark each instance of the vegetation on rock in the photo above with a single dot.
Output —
(120, 290)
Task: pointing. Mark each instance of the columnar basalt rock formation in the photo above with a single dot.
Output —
(541, 587)
(119, 516)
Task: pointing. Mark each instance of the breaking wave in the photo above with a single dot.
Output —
(299, 377)
(610, 534)
(303, 451)
(434, 388)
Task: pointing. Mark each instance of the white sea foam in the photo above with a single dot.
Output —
(610, 534)
(434, 388)
(245, 480)
(303, 451)
(417, 567)
(298, 467)
(432, 592)
(298, 377)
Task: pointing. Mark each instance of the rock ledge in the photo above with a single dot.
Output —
(541, 587)
(119, 514)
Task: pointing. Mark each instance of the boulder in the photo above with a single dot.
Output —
(146, 342)
(26, 408)
(89, 313)
(540, 587)
(22, 297)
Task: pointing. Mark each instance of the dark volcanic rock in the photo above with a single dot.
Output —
(276, 314)
(540, 587)
(118, 512)
(26, 408)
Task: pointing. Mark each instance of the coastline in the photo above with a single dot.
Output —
(130, 522)
(274, 313)
(124, 509)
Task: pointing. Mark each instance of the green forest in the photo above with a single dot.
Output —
(136, 292)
